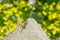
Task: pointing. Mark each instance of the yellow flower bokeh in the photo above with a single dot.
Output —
(5, 18)
(44, 13)
(20, 12)
(58, 7)
(51, 7)
(54, 15)
(39, 3)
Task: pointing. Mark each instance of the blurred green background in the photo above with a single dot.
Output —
(46, 12)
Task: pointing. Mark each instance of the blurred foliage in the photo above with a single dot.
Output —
(46, 12)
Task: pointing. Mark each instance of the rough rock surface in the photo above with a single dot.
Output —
(31, 32)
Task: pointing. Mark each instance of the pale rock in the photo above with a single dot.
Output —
(31, 32)
(32, 1)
